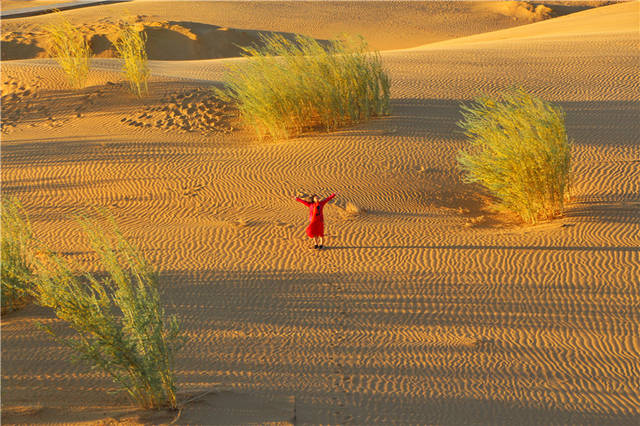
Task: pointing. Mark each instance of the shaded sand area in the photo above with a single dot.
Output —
(425, 308)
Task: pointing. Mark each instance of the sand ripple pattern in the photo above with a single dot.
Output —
(409, 316)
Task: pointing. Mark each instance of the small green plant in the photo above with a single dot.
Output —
(289, 86)
(519, 151)
(131, 46)
(121, 325)
(70, 48)
(16, 273)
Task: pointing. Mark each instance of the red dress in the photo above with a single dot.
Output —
(316, 220)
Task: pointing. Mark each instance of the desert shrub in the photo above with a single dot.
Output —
(120, 323)
(131, 47)
(289, 86)
(15, 274)
(519, 151)
(69, 47)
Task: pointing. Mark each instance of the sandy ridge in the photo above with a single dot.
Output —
(199, 30)
(622, 18)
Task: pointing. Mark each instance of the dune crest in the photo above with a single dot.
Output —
(519, 10)
(166, 40)
(217, 30)
(605, 21)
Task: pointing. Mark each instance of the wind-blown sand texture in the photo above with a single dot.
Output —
(425, 308)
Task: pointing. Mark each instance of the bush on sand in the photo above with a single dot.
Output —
(519, 151)
(70, 48)
(288, 86)
(121, 325)
(16, 274)
(131, 46)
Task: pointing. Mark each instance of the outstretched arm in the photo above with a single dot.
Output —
(300, 200)
(329, 198)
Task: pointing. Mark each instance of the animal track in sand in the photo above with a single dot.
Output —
(29, 100)
(196, 110)
(16, 102)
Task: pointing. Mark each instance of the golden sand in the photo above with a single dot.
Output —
(426, 307)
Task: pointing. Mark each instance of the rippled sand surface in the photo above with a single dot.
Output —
(425, 307)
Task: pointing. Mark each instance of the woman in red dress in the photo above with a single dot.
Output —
(315, 229)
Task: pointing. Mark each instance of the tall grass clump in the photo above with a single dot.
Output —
(121, 325)
(131, 47)
(17, 238)
(519, 151)
(289, 86)
(70, 48)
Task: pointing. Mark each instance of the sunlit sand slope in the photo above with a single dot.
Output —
(19, 4)
(614, 20)
(425, 307)
(203, 30)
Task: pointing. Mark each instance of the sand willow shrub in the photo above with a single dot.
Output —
(131, 47)
(519, 151)
(289, 86)
(121, 325)
(16, 273)
(70, 48)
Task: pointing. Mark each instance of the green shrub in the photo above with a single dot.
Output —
(15, 271)
(287, 87)
(71, 50)
(122, 328)
(131, 46)
(519, 151)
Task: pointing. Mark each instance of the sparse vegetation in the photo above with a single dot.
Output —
(131, 47)
(68, 45)
(519, 151)
(121, 325)
(15, 265)
(290, 86)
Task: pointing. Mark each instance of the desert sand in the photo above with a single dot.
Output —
(206, 30)
(19, 4)
(426, 307)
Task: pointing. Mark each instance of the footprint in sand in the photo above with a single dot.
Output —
(16, 99)
(192, 111)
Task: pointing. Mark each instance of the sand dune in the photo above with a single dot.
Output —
(426, 307)
(619, 19)
(18, 4)
(205, 30)
(166, 40)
